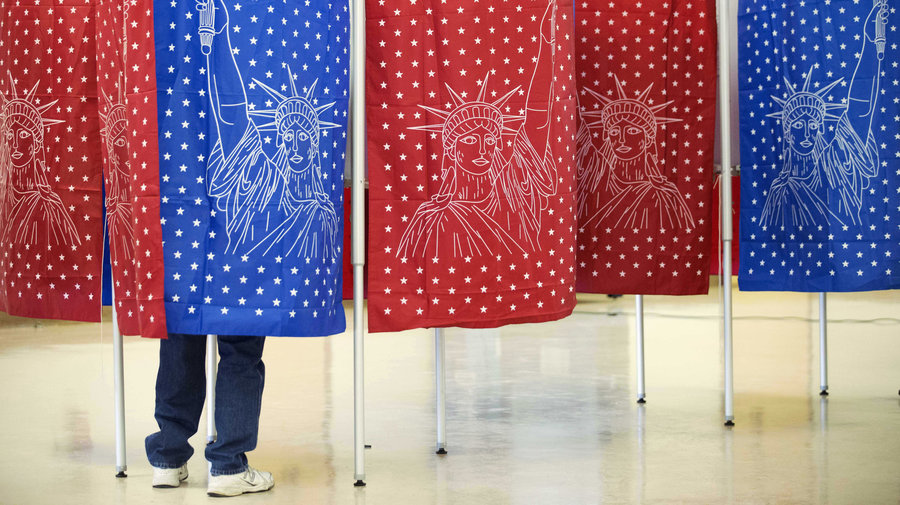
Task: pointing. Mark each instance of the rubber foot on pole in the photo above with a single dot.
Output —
(359, 483)
(441, 451)
(824, 392)
(367, 446)
(121, 475)
(729, 423)
(642, 401)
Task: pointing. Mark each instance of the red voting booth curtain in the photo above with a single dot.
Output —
(471, 123)
(647, 97)
(69, 124)
(143, 152)
(51, 225)
(116, 165)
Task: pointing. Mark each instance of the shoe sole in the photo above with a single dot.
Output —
(218, 494)
(169, 486)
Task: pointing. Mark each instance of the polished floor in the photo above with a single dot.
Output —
(537, 414)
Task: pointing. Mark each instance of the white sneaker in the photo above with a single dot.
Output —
(251, 481)
(169, 477)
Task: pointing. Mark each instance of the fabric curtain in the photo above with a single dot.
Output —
(819, 146)
(250, 117)
(51, 208)
(645, 142)
(471, 124)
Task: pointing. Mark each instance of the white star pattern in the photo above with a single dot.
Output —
(208, 287)
(429, 60)
(116, 161)
(821, 47)
(663, 56)
(50, 50)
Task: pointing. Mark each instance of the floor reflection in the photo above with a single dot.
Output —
(537, 414)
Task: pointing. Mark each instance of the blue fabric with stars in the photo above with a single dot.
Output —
(253, 102)
(820, 145)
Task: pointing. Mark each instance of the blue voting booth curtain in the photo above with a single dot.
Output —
(252, 102)
(820, 145)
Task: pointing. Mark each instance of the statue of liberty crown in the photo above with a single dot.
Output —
(462, 111)
(295, 106)
(23, 106)
(476, 110)
(632, 108)
(804, 101)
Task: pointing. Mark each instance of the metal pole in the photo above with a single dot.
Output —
(212, 354)
(119, 385)
(639, 330)
(440, 386)
(727, 233)
(358, 213)
(823, 346)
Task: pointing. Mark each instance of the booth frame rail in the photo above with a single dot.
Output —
(723, 17)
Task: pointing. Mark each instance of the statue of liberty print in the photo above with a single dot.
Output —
(265, 170)
(118, 189)
(491, 197)
(824, 178)
(31, 213)
(621, 184)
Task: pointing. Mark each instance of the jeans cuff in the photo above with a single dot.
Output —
(215, 472)
(166, 466)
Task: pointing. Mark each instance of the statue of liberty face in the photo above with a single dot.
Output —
(19, 136)
(627, 139)
(299, 146)
(802, 132)
(116, 147)
(474, 151)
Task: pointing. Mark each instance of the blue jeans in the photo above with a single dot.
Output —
(180, 393)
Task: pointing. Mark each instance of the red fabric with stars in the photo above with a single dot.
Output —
(116, 168)
(51, 226)
(647, 92)
(141, 111)
(471, 123)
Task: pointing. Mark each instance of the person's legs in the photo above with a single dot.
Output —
(239, 387)
(180, 392)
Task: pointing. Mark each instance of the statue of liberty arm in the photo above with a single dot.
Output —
(864, 87)
(240, 175)
(538, 113)
(539, 105)
(227, 94)
(850, 166)
(529, 178)
(595, 184)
